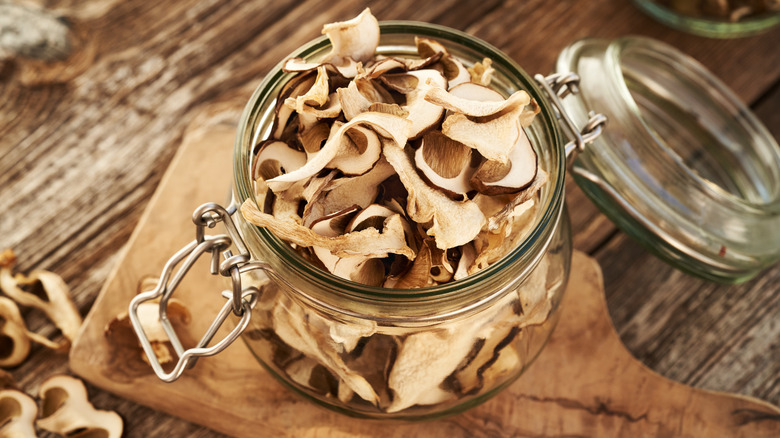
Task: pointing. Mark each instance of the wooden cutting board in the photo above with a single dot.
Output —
(585, 383)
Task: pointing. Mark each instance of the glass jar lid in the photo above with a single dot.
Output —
(683, 167)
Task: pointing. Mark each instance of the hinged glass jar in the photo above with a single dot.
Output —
(423, 353)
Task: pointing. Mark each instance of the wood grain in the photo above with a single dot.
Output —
(80, 158)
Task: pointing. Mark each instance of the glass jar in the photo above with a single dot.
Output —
(420, 353)
(684, 168)
(690, 16)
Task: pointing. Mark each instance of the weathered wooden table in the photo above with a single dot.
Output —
(85, 139)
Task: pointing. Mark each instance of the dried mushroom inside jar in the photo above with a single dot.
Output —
(377, 166)
(398, 172)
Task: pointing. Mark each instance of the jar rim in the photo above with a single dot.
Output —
(526, 254)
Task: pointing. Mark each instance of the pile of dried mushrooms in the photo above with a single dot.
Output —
(402, 173)
(392, 171)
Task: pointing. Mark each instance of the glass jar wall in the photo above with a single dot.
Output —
(419, 353)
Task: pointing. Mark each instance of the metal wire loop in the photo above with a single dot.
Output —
(557, 86)
(240, 301)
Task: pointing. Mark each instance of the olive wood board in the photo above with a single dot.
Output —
(584, 383)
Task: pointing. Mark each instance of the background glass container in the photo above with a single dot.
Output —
(507, 311)
(684, 168)
(696, 23)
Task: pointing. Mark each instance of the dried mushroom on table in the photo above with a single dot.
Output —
(398, 172)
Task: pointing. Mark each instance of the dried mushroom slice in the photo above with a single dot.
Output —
(282, 112)
(385, 125)
(347, 68)
(482, 72)
(451, 68)
(368, 242)
(468, 255)
(305, 330)
(446, 164)
(359, 154)
(476, 107)
(67, 411)
(424, 360)
(352, 101)
(342, 193)
(13, 335)
(124, 349)
(418, 275)
(18, 412)
(518, 173)
(356, 39)
(494, 356)
(515, 207)
(493, 139)
(361, 269)
(386, 65)
(454, 223)
(423, 115)
(316, 96)
(309, 116)
(476, 92)
(331, 225)
(276, 158)
(45, 291)
(313, 138)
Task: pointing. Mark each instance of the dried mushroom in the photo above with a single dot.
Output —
(124, 348)
(66, 411)
(733, 10)
(429, 123)
(18, 412)
(14, 337)
(417, 175)
(44, 291)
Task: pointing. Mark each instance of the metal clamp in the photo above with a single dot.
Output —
(240, 300)
(558, 86)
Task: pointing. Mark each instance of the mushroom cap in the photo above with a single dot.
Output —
(66, 409)
(446, 164)
(357, 38)
(519, 172)
(276, 158)
(18, 412)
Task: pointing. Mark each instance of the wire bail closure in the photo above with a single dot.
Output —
(239, 300)
(557, 86)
